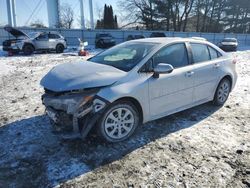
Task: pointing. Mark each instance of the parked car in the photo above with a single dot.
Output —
(104, 40)
(133, 37)
(229, 44)
(34, 41)
(157, 34)
(136, 82)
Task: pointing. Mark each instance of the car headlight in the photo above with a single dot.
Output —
(76, 104)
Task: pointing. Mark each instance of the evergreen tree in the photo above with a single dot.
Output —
(115, 23)
(109, 21)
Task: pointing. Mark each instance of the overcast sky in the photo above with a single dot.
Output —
(28, 11)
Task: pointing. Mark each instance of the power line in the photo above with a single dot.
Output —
(26, 5)
(39, 9)
(33, 12)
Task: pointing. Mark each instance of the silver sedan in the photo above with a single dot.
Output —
(136, 82)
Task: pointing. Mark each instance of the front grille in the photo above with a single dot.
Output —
(6, 43)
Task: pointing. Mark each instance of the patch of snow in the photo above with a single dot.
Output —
(5, 68)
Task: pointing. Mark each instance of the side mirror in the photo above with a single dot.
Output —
(162, 68)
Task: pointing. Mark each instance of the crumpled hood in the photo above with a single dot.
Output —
(74, 76)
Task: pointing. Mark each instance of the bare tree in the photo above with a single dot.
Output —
(192, 15)
(139, 12)
(66, 16)
(38, 24)
(187, 9)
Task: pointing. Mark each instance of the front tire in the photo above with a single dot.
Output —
(118, 122)
(59, 48)
(222, 92)
(28, 49)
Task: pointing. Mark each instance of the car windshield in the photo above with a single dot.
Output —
(33, 34)
(125, 56)
(229, 40)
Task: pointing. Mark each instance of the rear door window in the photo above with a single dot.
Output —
(43, 37)
(213, 53)
(200, 52)
(175, 55)
(54, 36)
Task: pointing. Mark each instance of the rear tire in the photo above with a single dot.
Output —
(118, 122)
(28, 49)
(222, 92)
(59, 48)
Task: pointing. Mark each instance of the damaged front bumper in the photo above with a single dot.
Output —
(74, 112)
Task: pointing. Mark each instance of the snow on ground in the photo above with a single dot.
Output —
(5, 68)
(201, 147)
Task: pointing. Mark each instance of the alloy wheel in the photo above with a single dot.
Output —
(119, 123)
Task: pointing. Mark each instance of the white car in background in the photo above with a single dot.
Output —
(33, 41)
(136, 82)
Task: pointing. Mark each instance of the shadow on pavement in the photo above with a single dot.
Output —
(31, 155)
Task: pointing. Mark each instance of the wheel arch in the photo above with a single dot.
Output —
(136, 103)
(59, 44)
(28, 43)
(230, 80)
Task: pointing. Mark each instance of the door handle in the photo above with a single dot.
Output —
(216, 65)
(189, 73)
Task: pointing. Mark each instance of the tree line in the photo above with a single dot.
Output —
(109, 20)
(189, 15)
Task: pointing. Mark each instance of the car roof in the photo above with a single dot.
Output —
(46, 32)
(54, 32)
(230, 38)
(167, 40)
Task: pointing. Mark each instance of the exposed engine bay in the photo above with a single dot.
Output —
(75, 111)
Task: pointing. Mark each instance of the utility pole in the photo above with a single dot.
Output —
(14, 13)
(82, 14)
(53, 13)
(91, 14)
(9, 12)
